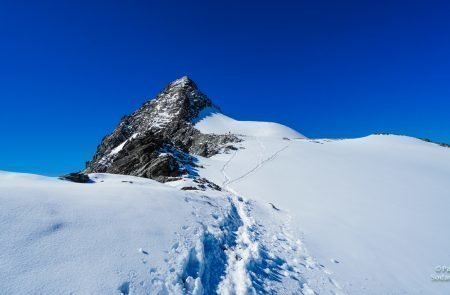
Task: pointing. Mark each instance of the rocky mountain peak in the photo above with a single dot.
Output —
(182, 82)
(180, 102)
(158, 139)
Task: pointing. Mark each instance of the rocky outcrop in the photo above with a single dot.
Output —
(76, 177)
(159, 140)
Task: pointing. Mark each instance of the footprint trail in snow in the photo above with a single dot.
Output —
(242, 247)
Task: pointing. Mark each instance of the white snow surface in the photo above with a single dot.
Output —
(372, 211)
(107, 237)
(128, 235)
(212, 121)
(295, 216)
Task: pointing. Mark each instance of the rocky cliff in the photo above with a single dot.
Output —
(158, 140)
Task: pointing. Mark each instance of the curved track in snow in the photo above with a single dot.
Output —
(264, 260)
(260, 163)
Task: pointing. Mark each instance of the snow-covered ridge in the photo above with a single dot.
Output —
(211, 121)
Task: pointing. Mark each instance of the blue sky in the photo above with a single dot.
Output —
(70, 69)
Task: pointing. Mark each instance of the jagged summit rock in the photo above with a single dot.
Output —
(183, 82)
(180, 102)
(160, 136)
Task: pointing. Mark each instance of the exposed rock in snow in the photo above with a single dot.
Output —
(76, 177)
(134, 147)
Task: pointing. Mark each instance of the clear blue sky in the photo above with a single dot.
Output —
(70, 69)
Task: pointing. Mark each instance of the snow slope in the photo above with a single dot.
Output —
(373, 211)
(212, 121)
(108, 237)
(128, 235)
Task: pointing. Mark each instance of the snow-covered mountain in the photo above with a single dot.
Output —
(240, 208)
(155, 140)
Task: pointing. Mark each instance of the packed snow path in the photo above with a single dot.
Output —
(246, 248)
(251, 267)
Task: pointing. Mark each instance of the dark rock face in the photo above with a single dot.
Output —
(157, 140)
(76, 177)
